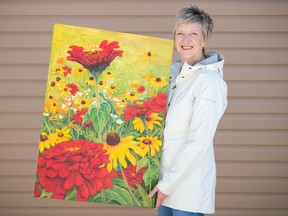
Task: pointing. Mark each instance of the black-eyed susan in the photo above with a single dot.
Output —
(54, 86)
(46, 141)
(63, 134)
(80, 72)
(158, 82)
(82, 102)
(131, 96)
(119, 150)
(102, 84)
(91, 81)
(54, 107)
(58, 70)
(150, 121)
(150, 144)
(108, 74)
(111, 89)
(149, 55)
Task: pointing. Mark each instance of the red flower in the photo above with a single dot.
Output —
(73, 88)
(136, 111)
(158, 103)
(79, 116)
(155, 105)
(97, 60)
(67, 70)
(74, 164)
(132, 176)
(37, 191)
(141, 89)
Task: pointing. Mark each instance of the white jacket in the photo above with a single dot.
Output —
(197, 101)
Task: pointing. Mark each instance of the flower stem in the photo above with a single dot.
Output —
(97, 94)
(128, 187)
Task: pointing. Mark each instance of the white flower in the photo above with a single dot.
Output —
(119, 121)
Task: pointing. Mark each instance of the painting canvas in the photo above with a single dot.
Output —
(103, 116)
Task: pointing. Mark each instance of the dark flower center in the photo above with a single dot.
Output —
(58, 79)
(91, 78)
(112, 139)
(50, 97)
(101, 82)
(158, 79)
(149, 54)
(83, 102)
(132, 94)
(148, 118)
(54, 104)
(65, 89)
(53, 84)
(108, 73)
(147, 141)
(60, 135)
(43, 138)
(80, 70)
(113, 87)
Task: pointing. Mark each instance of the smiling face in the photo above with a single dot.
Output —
(189, 42)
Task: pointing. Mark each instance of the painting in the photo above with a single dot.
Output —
(103, 116)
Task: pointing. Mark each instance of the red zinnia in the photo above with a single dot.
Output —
(96, 60)
(73, 88)
(67, 70)
(136, 110)
(74, 164)
(79, 116)
(141, 89)
(132, 176)
(158, 103)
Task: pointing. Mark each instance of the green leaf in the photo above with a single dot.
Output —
(151, 175)
(71, 195)
(119, 195)
(146, 201)
(100, 116)
(45, 194)
(142, 163)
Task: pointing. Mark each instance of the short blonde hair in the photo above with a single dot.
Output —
(194, 14)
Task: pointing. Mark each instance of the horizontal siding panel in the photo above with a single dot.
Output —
(229, 121)
(240, 153)
(236, 105)
(95, 210)
(141, 24)
(232, 56)
(219, 40)
(222, 138)
(224, 185)
(127, 8)
(36, 211)
(223, 153)
(224, 169)
(235, 89)
(231, 72)
(259, 201)
(251, 138)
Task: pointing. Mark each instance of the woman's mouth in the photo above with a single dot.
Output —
(186, 47)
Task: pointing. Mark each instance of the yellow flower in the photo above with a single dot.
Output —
(102, 84)
(54, 107)
(54, 85)
(82, 102)
(58, 70)
(150, 121)
(119, 150)
(63, 134)
(91, 81)
(60, 61)
(108, 74)
(80, 72)
(158, 82)
(131, 96)
(150, 144)
(149, 55)
(111, 89)
(46, 141)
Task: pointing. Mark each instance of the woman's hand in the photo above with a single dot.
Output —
(160, 196)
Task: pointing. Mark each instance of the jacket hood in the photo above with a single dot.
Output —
(213, 62)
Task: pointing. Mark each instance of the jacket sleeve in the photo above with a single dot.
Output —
(210, 104)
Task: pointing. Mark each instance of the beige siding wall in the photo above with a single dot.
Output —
(252, 141)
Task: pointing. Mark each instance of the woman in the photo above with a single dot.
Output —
(197, 101)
